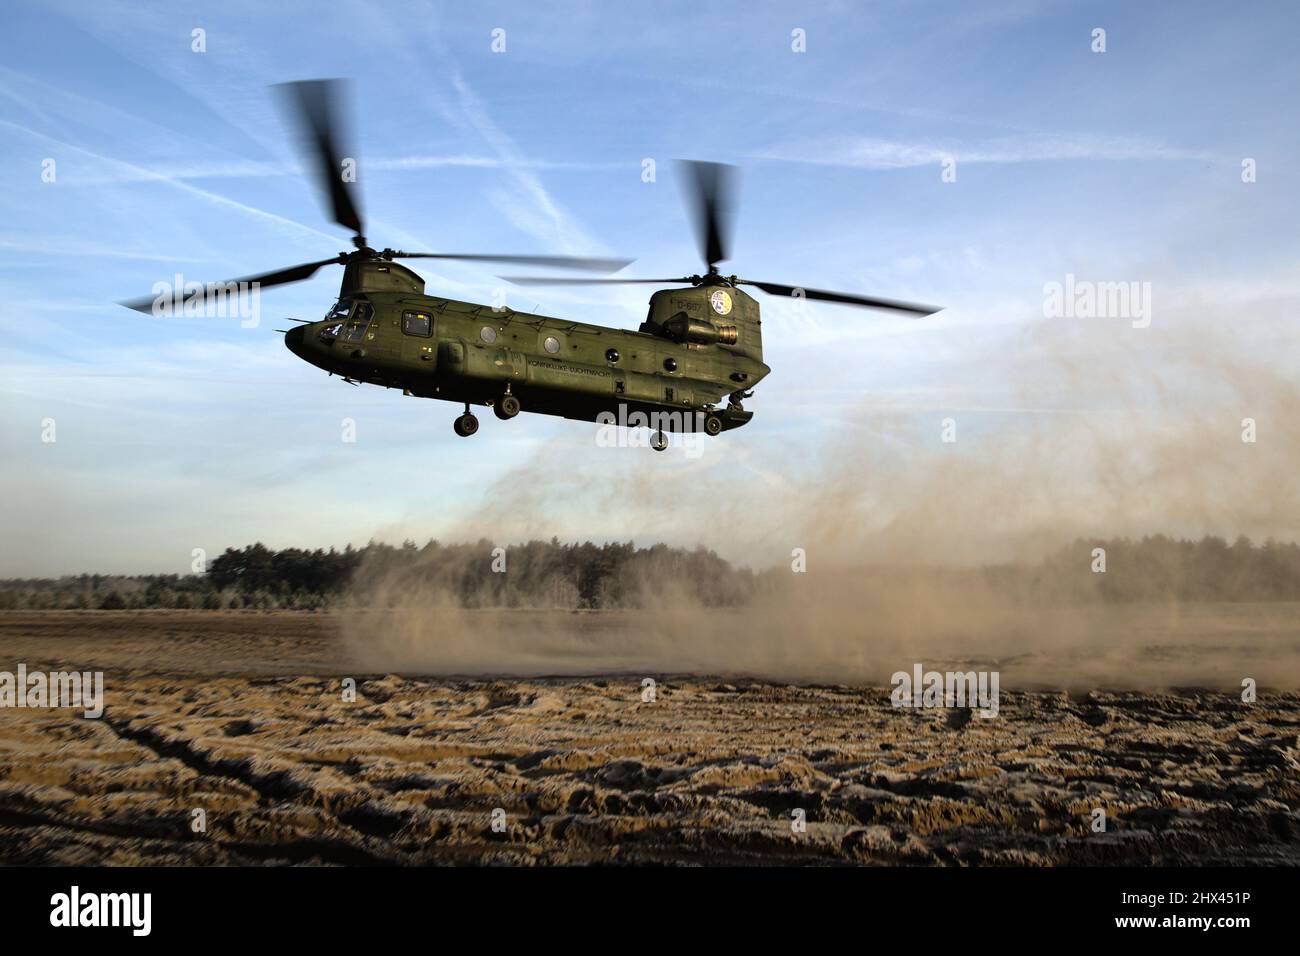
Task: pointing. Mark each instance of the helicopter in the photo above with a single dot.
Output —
(698, 346)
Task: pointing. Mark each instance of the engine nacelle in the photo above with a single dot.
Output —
(685, 329)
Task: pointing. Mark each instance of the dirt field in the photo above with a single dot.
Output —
(243, 716)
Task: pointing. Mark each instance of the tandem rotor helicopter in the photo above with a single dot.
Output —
(697, 346)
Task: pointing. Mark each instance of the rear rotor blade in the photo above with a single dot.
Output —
(872, 302)
(709, 192)
(315, 107)
(264, 280)
(579, 263)
(559, 280)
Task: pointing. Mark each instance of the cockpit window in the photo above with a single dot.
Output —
(336, 317)
(348, 321)
(354, 329)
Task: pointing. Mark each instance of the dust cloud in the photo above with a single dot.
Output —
(1066, 431)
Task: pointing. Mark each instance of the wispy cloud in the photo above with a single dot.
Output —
(869, 153)
(121, 167)
(53, 246)
(253, 169)
(547, 220)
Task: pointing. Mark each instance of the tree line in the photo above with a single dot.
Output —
(612, 576)
(1160, 568)
(538, 574)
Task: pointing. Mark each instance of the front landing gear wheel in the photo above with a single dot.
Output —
(712, 426)
(466, 425)
(659, 441)
(506, 407)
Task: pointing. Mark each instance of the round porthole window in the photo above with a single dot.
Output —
(552, 344)
(488, 334)
(611, 355)
(670, 364)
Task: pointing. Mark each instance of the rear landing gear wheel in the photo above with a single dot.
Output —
(466, 425)
(506, 407)
(659, 441)
(712, 425)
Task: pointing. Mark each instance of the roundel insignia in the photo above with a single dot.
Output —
(720, 301)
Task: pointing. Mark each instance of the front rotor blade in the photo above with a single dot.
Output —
(871, 302)
(264, 280)
(555, 262)
(709, 191)
(315, 106)
(559, 280)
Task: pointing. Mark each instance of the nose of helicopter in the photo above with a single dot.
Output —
(293, 339)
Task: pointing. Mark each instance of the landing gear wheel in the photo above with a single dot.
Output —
(659, 441)
(712, 425)
(506, 407)
(466, 425)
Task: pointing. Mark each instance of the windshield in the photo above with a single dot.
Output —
(347, 320)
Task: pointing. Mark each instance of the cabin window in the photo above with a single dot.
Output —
(552, 344)
(611, 356)
(488, 334)
(670, 365)
(417, 323)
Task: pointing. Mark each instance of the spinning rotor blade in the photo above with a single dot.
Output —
(772, 288)
(314, 104)
(265, 279)
(314, 107)
(871, 302)
(709, 196)
(558, 280)
(709, 190)
(555, 262)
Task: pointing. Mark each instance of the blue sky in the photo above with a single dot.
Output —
(174, 434)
